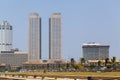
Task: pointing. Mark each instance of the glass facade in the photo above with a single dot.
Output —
(55, 45)
(34, 37)
(95, 52)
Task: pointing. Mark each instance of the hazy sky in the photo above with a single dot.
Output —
(82, 21)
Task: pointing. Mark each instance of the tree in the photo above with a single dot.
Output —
(72, 61)
(99, 63)
(67, 65)
(82, 60)
(106, 61)
(113, 60)
(113, 63)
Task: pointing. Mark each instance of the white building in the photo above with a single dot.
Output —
(5, 36)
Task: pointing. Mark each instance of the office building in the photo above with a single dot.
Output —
(95, 51)
(34, 38)
(14, 59)
(5, 36)
(55, 37)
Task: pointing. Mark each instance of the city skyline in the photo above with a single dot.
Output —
(82, 21)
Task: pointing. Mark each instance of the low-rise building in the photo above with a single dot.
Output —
(102, 62)
(13, 58)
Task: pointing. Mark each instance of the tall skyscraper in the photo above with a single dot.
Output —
(55, 41)
(34, 38)
(95, 51)
(5, 36)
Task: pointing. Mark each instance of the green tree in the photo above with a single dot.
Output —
(106, 61)
(72, 61)
(99, 63)
(113, 59)
(67, 65)
(113, 63)
(82, 60)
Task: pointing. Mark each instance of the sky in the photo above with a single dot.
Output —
(82, 21)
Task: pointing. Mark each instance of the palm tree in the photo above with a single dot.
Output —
(113, 62)
(99, 63)
(72, 62)
(106, 61)
(67, 65)
(82, 60)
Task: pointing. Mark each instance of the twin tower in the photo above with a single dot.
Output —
(55, 41)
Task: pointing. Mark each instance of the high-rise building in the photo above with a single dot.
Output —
(34, 38)
(5, 36)
(95, 51)
(55, 41)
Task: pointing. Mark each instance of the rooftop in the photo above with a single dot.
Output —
(93, 44)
